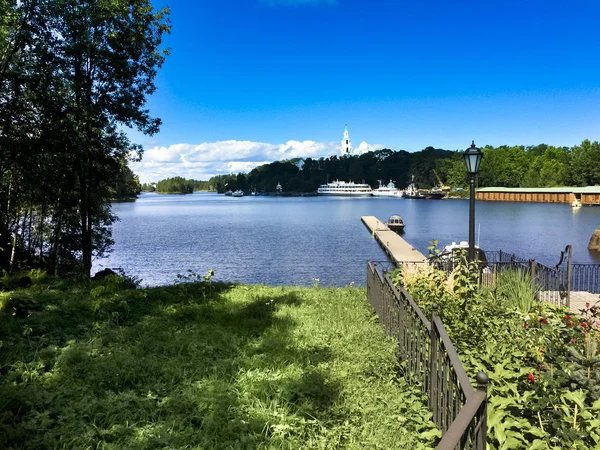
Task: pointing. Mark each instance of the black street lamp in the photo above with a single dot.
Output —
(472, 157)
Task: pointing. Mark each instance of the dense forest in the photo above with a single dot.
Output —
(176, 185)
(504, 166)
(73, 76)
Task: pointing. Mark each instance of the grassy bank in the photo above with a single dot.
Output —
(200, 365)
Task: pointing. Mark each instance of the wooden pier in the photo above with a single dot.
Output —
(398, 250)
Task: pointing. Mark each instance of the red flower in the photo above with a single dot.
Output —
(583, 324)
(530, 378)
(587, 304)
(567, 317)
(544, 320)
(569, 324)
(524, 324)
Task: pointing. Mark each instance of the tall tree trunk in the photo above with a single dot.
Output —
(41, 232)
(30, 236)
(86, 215)
(56, 248)
(15, 243)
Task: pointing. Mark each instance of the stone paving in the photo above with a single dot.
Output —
(579, 299)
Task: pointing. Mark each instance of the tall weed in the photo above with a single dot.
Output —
(515, 288)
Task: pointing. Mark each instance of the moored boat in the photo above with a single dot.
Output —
(343, 188)
(238, 193)
(395, 223)
(389, 190)
(436, 193)
(412, 192)
(446, 260)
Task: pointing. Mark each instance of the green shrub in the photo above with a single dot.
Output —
(516, 288)
(543, 362)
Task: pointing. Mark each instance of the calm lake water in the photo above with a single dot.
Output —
(293, 240)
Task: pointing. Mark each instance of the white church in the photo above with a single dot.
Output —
(346, 145)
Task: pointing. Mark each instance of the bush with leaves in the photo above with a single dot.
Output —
(543, 361)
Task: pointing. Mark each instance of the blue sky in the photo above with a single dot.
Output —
(253, 81)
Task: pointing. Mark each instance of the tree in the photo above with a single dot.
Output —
(106, 55)
(72, 74)
(584, 168)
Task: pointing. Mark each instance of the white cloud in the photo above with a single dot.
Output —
(205, 160)
(365, 147)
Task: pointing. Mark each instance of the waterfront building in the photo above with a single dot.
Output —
(588, 195)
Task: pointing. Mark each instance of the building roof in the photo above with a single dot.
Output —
(552, 190)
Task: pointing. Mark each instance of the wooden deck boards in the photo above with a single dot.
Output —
(399, 251)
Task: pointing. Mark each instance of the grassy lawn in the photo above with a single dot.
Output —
(200, 365)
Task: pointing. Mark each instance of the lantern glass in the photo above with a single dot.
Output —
(472, 158)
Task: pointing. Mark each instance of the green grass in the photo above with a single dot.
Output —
(206, 366)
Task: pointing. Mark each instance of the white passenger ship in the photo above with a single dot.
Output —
(387, 191)
(349, 189)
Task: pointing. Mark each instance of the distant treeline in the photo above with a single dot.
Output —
(177, 185)
(505, 166)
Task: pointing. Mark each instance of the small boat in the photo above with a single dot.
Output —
(228, 192)
(238, 193)
(436, 193)
(387, 191)
(445, 260)
(413, 193)
(576, 203)
(395, 223)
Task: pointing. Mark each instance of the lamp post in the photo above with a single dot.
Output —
(472, 157)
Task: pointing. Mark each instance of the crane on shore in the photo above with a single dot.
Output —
(443, 187)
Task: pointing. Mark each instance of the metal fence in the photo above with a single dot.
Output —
(585, 277)
(551, 284)
(431, 362)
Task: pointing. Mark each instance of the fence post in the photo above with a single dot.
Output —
(481, 438)
(569, 274)
(433, 388)
(532, 272)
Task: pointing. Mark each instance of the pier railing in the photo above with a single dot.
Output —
(432, 363)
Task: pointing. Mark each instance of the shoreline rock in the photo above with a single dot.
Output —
(595, 241)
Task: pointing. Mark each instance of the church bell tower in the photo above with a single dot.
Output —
(346, 144)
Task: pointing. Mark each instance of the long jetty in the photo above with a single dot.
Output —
(397, 249)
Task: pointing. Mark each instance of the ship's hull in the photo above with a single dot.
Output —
(345, 194)
(396, 194)
(436, 196)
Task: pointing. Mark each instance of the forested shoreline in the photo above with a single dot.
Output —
(504, 166)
